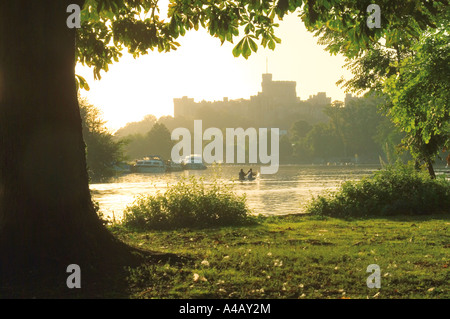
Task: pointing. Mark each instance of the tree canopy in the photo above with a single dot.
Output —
(420, 95)
(110, 26)
(157, 141)
(407, 61)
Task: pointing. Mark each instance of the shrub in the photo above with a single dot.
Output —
(188, 204)
(394, 190)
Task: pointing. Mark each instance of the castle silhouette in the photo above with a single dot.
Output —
(277, 105)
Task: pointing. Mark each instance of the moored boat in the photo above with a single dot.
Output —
(150, 164)
(193, 162)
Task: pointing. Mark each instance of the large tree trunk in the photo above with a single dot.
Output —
(47, 220)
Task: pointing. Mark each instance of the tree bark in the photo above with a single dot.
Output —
(431, 169)
(47, 219)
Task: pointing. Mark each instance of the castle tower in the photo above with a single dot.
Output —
(183, 107)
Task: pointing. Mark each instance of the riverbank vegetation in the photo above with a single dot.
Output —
(399, 189)
(189, 203)
(395, 190)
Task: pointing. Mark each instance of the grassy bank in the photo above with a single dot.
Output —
(297, 257)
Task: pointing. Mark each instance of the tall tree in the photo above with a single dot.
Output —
(324, 143)
(420, 97)
(398, 63)
(159, 141)
(47, 219)
(299, 129)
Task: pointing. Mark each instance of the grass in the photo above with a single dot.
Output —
(297, 257)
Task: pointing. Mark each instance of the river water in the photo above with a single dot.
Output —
(285, 192)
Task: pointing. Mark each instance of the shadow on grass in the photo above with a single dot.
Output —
(253, 221)
(107, 279)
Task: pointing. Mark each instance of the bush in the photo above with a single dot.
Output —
(394, 190)
(188, 204)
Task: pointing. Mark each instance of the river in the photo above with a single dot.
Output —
(285, 192)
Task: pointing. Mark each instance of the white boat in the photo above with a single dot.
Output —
(150, 164)
(193, 162)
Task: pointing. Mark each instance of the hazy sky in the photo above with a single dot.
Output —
(204, 70)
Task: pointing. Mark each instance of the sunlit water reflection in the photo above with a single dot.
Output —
(285, 192)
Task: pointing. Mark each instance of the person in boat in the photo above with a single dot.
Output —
(241, 175)
(250, 175)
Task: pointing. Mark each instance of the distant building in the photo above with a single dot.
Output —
(348, 98)
(184, 107)
(277, 105)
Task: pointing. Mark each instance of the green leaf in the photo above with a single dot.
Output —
(246, 51)
(81, 83)
(253, 45)
(237, 50)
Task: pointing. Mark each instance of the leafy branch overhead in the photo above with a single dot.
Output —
(420, 95)
(110, 26)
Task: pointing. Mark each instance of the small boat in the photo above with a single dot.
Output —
(150, 164)
(193, 162)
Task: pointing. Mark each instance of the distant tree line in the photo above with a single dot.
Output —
(103, 152)
(156, 141)
(106, 152)
(356, 132)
